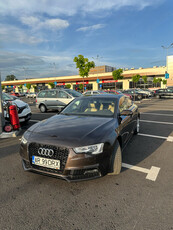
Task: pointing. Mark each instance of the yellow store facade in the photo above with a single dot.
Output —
(97, 80)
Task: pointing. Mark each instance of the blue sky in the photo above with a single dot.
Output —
(41, 38)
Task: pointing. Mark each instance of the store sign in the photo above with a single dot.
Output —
(109, 81)
(81, 82)
(60, 83)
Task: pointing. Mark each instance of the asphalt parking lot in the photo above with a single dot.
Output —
(139, 198)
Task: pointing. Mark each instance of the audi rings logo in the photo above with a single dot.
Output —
(45, 152)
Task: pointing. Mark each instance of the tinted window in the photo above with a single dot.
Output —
(62, 94)
(42, 94)
(51, 94)
(89, 106)
(73, 93)
(124, 104)
(6, 97)
(87, 93)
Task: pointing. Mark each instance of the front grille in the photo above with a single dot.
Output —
(60, 153)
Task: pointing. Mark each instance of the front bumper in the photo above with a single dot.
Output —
(74, 167)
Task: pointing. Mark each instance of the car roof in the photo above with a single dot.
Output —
(117, 96)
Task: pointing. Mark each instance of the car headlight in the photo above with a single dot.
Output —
(23, 140)
(91, 149)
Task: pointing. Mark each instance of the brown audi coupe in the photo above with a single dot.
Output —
(84, 141)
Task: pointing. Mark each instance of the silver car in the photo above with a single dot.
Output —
(55, 99)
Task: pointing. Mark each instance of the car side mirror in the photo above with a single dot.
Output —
(126, 113)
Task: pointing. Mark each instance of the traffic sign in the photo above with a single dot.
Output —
(55, 83)
(166, 75)
(98, 80)
(25, 84)
(100, 85)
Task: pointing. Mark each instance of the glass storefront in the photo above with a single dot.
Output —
(87, 87)
(110, 86)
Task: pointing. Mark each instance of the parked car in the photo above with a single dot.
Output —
(55, 99)
(93, 92)
(14, 94)
(117, 92)
(164, 93)
(136, 95)
(84, 141)
(146, 92)
(31, 95)
(24, 111)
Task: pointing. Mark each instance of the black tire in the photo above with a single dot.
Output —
(136, 131)
(43, 109)
(116, 160)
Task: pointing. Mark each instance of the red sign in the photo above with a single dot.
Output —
(81, 82)
(109, 81)
(60, 83)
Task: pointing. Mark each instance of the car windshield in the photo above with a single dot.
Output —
(92, 106)
(74, 93)
(6, 97)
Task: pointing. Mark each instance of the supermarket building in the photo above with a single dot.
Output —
(99, 78)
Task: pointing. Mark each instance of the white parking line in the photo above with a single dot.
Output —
(169, 138)
(158, 122)
(159, 114)
(151, 173)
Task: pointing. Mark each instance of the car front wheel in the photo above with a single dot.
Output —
(43, 109)
(116, 160)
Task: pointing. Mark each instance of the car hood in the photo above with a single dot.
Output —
(19, 103)
(73, 130)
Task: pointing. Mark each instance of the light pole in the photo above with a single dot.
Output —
(167, 48)
(97, 58)
(2, 120)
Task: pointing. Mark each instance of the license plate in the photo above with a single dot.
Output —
(45, 162)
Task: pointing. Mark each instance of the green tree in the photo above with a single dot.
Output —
(81, 87)
(28, 86)
(68, 86)
(164, 82)
(52, 85)
(83, 65)
(155, 81)
(135, 79)
(3, 87)
(117, 75)
(20, 86)
(10, 78)
(144, 79)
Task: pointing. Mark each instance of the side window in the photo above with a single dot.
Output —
(51, 94)
(128, 102)
(62, 94)
(95, 93)
(122, 104)
(42, 94)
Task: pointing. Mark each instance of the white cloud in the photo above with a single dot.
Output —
(17, 35)
(93, 27)
(69, 7)
(52, 24)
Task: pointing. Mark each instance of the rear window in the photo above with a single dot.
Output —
(73, 93)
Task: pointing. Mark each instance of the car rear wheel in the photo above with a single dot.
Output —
(116, 160)
(158, 96)
(136, 131)
(43, 108)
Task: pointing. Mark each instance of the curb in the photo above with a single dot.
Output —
(11, 134)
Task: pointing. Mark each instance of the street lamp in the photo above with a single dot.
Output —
(97, 58)
(167, 48)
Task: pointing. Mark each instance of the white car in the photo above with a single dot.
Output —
(32, 95)
(24, 111)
